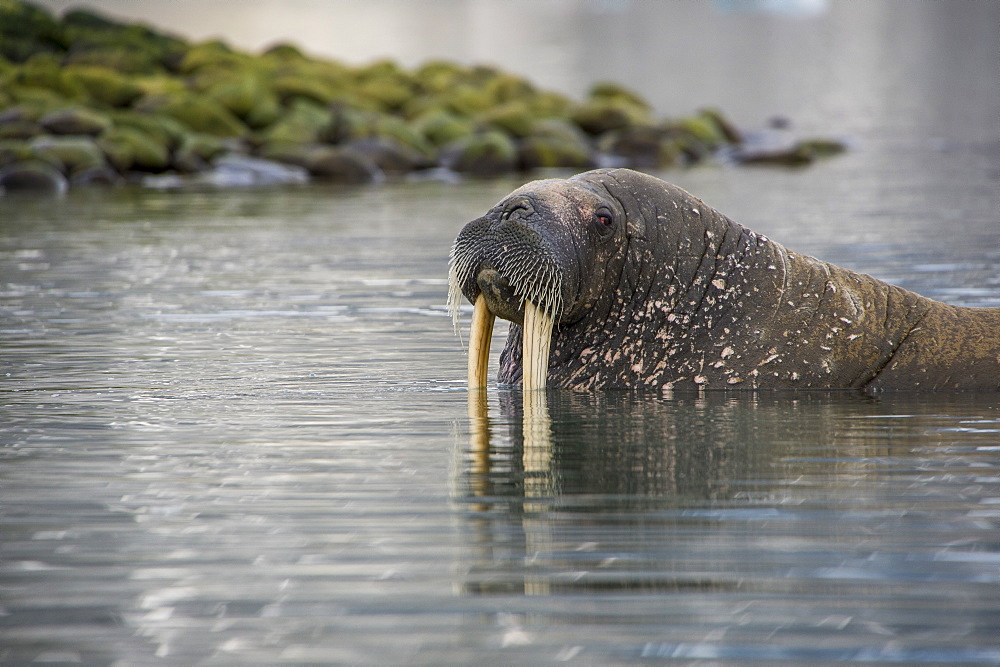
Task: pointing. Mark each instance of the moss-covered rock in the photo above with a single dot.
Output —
(166, 130)
(128, 148)
(390, 155)
(438, 76)
(484, 154)
(14, 150)
(609, 90)
(607, 114)
(69, 154)
(302, 123)
(515, 118)
(439, 126)
(95, 39)
(75, 120)
(26, 29)
(20, 129)
(210, 55)
(200, 114)
(641, 147)
(248, 98)
(196, 152)
(555, 143)
(370, 125)
(104, 86)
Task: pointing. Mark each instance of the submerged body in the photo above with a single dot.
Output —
(644, 286)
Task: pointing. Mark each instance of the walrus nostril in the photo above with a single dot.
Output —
(517, 210)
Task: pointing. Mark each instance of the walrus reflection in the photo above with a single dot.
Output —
(550, 472)
(617, 279)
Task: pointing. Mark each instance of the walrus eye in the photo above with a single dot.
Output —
(605, 222)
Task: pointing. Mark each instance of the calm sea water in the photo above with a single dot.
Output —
(234, 428)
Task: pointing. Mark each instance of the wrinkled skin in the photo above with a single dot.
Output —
(657, 290)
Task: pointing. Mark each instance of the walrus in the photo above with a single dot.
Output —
(616, 279)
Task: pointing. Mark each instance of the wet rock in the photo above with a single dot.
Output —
(76, 120)
(32, 175)
(96, 176)
(69, 154)
(486, 154)
(196, 152)
(391, 156)
(343, 164)
(242, 171)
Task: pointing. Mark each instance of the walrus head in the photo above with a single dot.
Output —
(541, 258)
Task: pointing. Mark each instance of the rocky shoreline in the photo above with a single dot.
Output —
(87, 100)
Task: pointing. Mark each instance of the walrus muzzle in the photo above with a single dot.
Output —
(507, 269)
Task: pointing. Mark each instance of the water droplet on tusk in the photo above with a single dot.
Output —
(537, 336)
(480, 335)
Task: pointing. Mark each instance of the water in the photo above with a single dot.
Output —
(234, 428)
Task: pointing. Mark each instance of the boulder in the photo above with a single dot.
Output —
(640, 147)
(32, 175)
(343, 164)
(76, 120)
(233, 170)
(128, 149)
(607, 114)
(103, 85)
(439, 126)
(390, 155)
(303, 123)
(485, 154)
(200, 114)
(70, 154)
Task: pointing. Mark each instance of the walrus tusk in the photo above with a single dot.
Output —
(537, 336)
(480, 334)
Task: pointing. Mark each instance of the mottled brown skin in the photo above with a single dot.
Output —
(673, 294)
